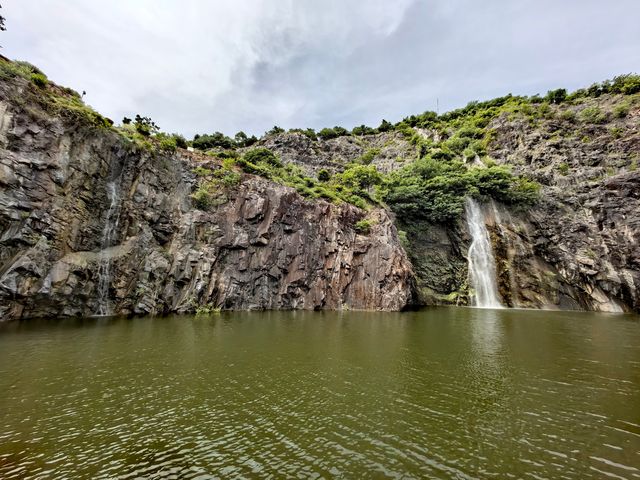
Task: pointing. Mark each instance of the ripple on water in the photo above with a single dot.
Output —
(415, 395)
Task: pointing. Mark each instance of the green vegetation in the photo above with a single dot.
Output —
(563, 168)
(625, 84)
(324, 175)
(429, 189)
(363, 226)
(556, 96)
(215, 184)
(216, 139)
(39, 79)
(145, 126)
(51, 98)
(593, 115)
(208, 309)
(368, 156)
(356, 184)
(274, 131)
(621, 110)
(308, 132)
(434, 190)
(451, 158)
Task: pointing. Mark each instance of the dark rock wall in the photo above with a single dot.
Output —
(265, 247)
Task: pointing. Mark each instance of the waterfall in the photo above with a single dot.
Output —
(108, 233)
(482, 266)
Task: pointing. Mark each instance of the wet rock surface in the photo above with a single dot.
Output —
(265, 247)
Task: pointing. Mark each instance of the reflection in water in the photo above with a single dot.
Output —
(453, 393)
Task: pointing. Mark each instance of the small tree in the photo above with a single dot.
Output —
(275, 130)
(241, 138)
(362, 130)
(327, 133)
(2, 27)
(385, 126)
(145, 126)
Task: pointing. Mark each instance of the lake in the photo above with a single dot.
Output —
(438, 393)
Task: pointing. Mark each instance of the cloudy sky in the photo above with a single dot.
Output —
(229, 65)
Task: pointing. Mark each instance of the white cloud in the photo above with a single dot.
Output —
(200, 66)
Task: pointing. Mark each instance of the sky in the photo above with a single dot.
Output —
(199, 66)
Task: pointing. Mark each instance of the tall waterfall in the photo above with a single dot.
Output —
(482, 266)
(108, 233)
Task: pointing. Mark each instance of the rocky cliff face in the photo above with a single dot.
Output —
(579, 247)
(82, 210)
(91, 222)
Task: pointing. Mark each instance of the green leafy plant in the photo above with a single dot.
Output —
(592, 115)
(39, 79)
(363, 226)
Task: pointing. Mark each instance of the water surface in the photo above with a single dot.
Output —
(441, 393)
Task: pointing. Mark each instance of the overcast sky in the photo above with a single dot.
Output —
(229, 65)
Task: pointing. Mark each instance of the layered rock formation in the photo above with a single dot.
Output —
(65, 183)
(91, 222)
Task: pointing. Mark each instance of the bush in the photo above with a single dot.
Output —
(435, 190)
(363, 130)
(39, 79)
(359, 177)
(563, 168)
(275, 130)
(324, 175)
(168, 144)
(363, 226)
(216, 139)
(385, 126)
(592, 115)
(327, 134)
(556, 96)
(626, 84)
(621, 110)
(145, 126)
(180, 141)
(202, 198)
(262, 155)
(367, 157)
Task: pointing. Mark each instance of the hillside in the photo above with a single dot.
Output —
(97, 218)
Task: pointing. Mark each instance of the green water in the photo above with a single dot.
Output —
(441, 393)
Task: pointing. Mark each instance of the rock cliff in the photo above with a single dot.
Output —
(65, 184)
(91, 222)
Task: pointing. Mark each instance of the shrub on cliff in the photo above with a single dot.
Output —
(335, 132)
(145, 126)
(363, 226)
(324, 175)
(39, 80)
(556, 96)
(593, 115)
(243, 140)
(216, 139)
(435, 190)
(327, 134)
(262, 156)
(363, 130)
(274, 131)
(385, 126)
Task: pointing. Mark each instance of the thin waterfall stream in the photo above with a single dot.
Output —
(482, 266)
(108, 234)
